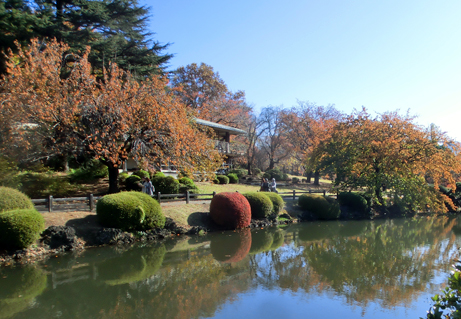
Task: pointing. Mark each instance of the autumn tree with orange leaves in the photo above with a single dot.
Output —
(393, 159)
(205, 94)
(308, 125)
(43, 113)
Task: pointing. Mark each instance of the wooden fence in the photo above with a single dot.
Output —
(88, 203)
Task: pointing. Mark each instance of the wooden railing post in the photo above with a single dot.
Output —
(310, 191)
(187, 196)
(158, 197)
(324, 193)
(91, 199)
(214, 193)
(50, 203)
(294, 194)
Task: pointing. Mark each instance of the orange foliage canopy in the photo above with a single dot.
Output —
(52, 106)
(390, 154)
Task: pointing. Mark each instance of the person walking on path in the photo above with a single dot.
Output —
(273, 186)
(148, 188)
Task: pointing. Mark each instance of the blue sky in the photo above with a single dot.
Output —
(384, 55)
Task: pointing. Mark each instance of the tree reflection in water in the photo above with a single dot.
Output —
(389, 262)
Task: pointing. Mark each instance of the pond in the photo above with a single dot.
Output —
(340, 269)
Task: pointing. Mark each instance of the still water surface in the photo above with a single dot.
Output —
(353, 269)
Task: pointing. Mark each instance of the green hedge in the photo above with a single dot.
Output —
(233, 178)
(185, 183)
(277, 202)
(130, 211)
(223, 179)
(261, 205)
(11, 198)
(91, 171)
(322, 207)
(20, 228)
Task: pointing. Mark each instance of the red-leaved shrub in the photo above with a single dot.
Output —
(231, 248)
(230, 210)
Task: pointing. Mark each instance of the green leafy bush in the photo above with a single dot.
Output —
(353, 201)
(223, 179)
(166, 185)
(215, 180)
(233, 178)
(90, 171)
(322, 207)
(8, 173)
(42, 184)
(231, 210)
(122, 178)
(20, 228)
(11, 198)
(141, 173)
(130, 211)
(277, 202)
(261, 205)
(189, 183)
(256, 171)
(275, 173)
(448, 304)
(295, 180)
(239, 172)
(133, 183)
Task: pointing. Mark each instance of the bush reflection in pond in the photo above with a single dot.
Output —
(232, 247)
(132, 265)
(19, 288)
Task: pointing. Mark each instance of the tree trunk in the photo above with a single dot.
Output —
(113, 178)
(317, 178)
(309, 177)
(249, 168)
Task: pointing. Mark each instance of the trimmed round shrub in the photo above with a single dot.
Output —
(353, 201)
(256, 171)
(223, 179)
(261, 240)
(230, 210)
(322, 207)
(130, 211)
(215, 181)
(277, 202)
(141, 173)
(189, 183)
(232, 247)
(261, 205)
(11, 198)
(233, 178)
(20, 228)
(166, 185)
(132, 183)
(295, 180)
(132, 265)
